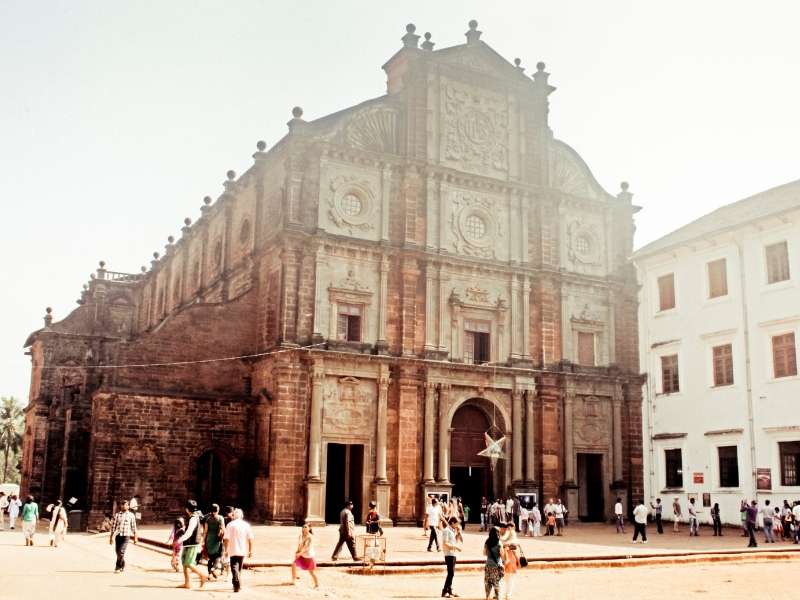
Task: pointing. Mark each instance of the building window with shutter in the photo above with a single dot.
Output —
(728, 466)
(790, 460)
(784, 355)
(717, 278)
(723, 365)
(669, 374)
(666, 292)
(777, 262)
(348, 326)
(674, 468)
(477, 342)
(586, 349)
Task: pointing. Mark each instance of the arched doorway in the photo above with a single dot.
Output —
(470, 474)
(208, 488)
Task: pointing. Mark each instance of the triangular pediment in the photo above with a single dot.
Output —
(479, 57)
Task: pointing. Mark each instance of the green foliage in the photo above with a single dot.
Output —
(11, 427)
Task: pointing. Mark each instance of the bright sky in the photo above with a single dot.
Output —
(116, 118)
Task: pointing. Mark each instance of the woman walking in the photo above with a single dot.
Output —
(58, 523)
(30, 517)
(493, 571)
(508, 537)
(14, 505)
(304, 556)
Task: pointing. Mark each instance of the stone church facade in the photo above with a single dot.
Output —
(384, 284)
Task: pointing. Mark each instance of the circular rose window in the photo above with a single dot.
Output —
(474, 227)
(351, 205)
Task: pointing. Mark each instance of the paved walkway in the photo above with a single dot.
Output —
(83, 568)
(275, 545)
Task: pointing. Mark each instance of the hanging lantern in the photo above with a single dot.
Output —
(493, 450)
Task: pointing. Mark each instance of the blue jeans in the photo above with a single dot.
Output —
(768, 537)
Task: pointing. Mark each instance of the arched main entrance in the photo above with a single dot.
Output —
(470, 474)
(208, 488)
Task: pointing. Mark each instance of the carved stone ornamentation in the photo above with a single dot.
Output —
(475, 130)
(352, 283)
(351, 203)
(374, 130)
(568, 174)
(583, 244)
(477, 294)
(475, 226)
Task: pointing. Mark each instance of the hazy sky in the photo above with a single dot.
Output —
(116, 118)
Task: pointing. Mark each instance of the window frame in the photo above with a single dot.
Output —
(720, 470)
(475, 330)
(678, 473)
(659, 279)
(675, 376)
(729, 381)
(785, 358)
(579, 335)
(349, 311)
(785, 259)
(722, 274)
(781, 462)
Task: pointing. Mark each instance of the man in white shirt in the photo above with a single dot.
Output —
(3, 507)
(434, 513)
(640, 522)
(694, 525)
(558, 512)
(618, 516)
(796, 515)
(238, 541)
(523, 520)
(451, 543)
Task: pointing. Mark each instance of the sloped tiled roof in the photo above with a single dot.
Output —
(773, 201)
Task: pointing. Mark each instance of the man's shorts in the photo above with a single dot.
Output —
(189, 556)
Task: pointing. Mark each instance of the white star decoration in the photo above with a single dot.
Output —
(493, 450)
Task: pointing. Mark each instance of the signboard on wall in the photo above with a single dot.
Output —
(763, 479)
(698, 477)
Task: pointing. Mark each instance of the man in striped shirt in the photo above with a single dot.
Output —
(122, 529)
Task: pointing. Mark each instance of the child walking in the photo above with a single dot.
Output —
(304, 556)
(178, 529)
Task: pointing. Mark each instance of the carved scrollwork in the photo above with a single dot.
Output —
(583, 243)
(373, 129)
(351, 204)
(475, 225)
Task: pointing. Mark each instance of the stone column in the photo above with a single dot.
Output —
(526, 318)
(430, 307)
(516, 319)
(617, 426)
(516, 452)
(444, 434)
(530, 438)
(319, 265)
(382, 302)
(443, 311)
(430, 419)
(315, 431)
(569, 459)
(382, 425)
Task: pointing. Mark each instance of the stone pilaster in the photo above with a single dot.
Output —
(516, 453)
(430, 421)
(444, 433)
(530, 437)
(382, 424)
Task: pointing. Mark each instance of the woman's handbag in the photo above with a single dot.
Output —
(523, 562)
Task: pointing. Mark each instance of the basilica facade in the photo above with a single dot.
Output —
(380, 291)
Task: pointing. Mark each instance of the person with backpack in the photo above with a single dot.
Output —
(190, 540)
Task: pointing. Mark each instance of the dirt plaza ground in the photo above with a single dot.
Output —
(83, 568)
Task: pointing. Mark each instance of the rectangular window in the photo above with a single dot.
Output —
(790, 460)
(669, 374)
(784, 355)
(723, 365)
(348, 326)
(666, 292)
(777, 262)
(728, 466)
(586, 349)
(674, 468)
(477, 340)
(717, 278)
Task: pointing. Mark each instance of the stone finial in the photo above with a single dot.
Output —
(144, 269)
(261, 145)
(156, 255)
(187, 221)
(170, 239)
(102, 264)
(410, 39)
(296, 123)
(428, 44)
(101, 270)
(85, 286)
(231, 175)
(518, 64)
(187, 226)
(473, 35)
(624, 194)
(540, 80)
(207, 200)
(48, 317)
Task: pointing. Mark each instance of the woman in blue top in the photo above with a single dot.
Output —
(493, 572)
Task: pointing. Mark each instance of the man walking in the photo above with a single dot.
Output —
(123, 527)
(347, 527)
(434, 514)
(676, 514)
(618, 516)
(694, 526)
(640, 522)
(452, 542)
(750, 521)
(659, 509)
(238, 541)
(190, 541)
(3, 507)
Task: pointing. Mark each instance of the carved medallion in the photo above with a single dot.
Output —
(475, 226)
(351, 204)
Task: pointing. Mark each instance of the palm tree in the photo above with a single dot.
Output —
(10, 430)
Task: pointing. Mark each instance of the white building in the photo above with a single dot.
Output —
(719, 326)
